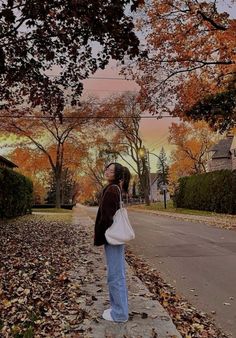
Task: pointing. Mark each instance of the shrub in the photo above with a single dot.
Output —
(214, 191)
(51, 206)
(16, 193)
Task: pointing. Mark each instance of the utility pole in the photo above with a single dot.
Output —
(150, 176)
(163, 175)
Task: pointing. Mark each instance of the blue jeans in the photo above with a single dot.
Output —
(116, 280)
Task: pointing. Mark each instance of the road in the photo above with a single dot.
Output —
(197, 259)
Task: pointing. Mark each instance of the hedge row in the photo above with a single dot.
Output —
(16, 193)
(50, 206)
(214, 191)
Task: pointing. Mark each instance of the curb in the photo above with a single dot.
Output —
(228, 223)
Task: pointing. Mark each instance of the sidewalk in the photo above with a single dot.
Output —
(147, 317)
(221, 221)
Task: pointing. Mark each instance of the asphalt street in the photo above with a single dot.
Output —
(199, 260)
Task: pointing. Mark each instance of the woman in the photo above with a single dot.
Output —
(118, 178)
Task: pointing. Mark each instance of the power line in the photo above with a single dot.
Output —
(108, 78)
(100, 78)
(87, 117)
(111, 90)
(163, 140)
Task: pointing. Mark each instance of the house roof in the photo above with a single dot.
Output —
(7, 162)
(222, 148)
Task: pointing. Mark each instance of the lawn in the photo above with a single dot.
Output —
(51, 210)
(159, 206)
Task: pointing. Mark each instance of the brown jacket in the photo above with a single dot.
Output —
(109, 204)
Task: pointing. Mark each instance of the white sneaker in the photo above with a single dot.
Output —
(107, 315)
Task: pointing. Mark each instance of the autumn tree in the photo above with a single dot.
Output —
(53, 138)
(74, 162)
(77, 148)
(71, 39)
(107, 144)
(192, 143)
(87, 192)
(91, 181)
(68, 187)
(33, 164)
(191, 53)
(100, 156)
(219, 109)
(125, 111)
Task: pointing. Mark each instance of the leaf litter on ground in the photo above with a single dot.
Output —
(37, 296)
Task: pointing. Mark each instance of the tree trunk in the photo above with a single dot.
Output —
(144, 180)
(58, 191)
(58, 173)
(146, 196)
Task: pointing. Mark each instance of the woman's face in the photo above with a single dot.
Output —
(110, 173)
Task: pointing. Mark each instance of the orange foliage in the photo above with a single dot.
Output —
(191, 53)
(30, 161)
(192, 143)
(34, 165)
(87, 190)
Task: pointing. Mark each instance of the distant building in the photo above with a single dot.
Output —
(222, 155)
(4, 163)
(157, 189)
(157, 192)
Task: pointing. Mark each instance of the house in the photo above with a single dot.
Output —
(157, 192)
(157, 189)
(223, 154)
(4, 163)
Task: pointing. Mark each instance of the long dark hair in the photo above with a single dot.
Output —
(126, 179)
(121, 174)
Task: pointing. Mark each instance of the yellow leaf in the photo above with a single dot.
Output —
(27, 292)
(6, 303)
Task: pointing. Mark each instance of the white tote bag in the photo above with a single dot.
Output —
(121, 230)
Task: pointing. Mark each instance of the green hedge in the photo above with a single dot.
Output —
(16, 193)
(214, 191)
